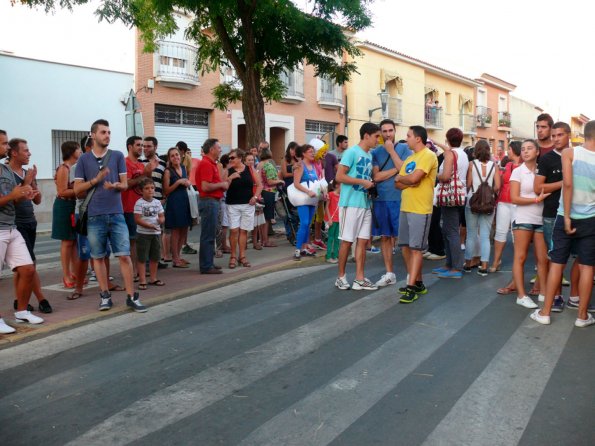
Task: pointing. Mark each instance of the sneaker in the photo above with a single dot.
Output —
(545, 320)
(387, 279)
(467, 269)
(408, 297)
(106, 301)
(189, 250)
(297, 255)
(135, 304)
(565, 282)
(319, 244)
(364, 285)
(160, 265)
(418, 288)
(331, 260)
(373, 250)
(574, 305)
(582, 323)
(92, 277)
(533, 279)
(482, 272)
(16, 303)
(462, 246)
(27, 316)
(526, 302)
(342, 283)
(559, 303)
(442, 269)
(308, 253)
(5, 328)
(426, 254)
(435, 257)
(450, 275)
(45, 307)
(541, 298)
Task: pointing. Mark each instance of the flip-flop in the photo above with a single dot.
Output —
(116, 288)
(74, 296)
(142, 286)
(157, 283)
(181, 265)
(505, 291)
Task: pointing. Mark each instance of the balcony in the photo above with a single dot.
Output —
(294, 86)
(434, 117)
(395, 109)
(175, 65)
(483, 116)
(577, 138)
(468, 124)
(504, 121)
(330, 94)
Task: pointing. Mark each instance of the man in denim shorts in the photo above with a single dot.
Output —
(106, 215)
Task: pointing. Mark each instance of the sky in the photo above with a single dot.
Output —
(545, 48)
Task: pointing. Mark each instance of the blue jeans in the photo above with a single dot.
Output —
(208, 210)
(548, 230)
(306, 214)
(483, 224)
(111, 228)
(452, 238)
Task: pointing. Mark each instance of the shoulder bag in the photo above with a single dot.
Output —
(451, 194)
(81, 223)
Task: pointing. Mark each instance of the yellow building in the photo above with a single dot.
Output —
(418, 94)
(577, 129)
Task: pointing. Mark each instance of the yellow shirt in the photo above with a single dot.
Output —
(418, 199)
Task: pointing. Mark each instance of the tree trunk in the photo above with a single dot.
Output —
(253, 108)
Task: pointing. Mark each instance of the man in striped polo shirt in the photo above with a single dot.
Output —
(574, 230)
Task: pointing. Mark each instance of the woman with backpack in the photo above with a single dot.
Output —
(528, 221)
(483, 182)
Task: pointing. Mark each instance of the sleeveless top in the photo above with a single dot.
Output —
(476, 181)
(308, 175)
(70, 182)
(583, 185)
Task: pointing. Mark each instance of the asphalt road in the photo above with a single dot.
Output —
(286, 359)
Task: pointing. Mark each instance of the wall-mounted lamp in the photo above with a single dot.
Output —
(383, 103)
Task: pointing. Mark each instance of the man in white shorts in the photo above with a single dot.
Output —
(13, 249)
(355, 217)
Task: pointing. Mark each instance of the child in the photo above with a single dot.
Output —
(148, 216)
(332, 219)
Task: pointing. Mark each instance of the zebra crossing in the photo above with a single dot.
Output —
(285, 359)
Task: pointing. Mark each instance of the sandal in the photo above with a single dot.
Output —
(534, 292)
(269, 245)
(494, 269)
(232, 262)
(136, 278)
(257, 246)
(74, 296)
(506, 290)
(116, 288)
(181, 265)
(226, 250)
(142, 286)
(244, 262)
(157, 283)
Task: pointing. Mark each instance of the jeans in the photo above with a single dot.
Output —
(306, 214)
(333, 242)
(548, 230)
(111, 228)
(435, 239)
(452, 238)
(483, 224)
(208, 210)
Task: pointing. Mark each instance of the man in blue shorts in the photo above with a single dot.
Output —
(106, 215)
(386, 163)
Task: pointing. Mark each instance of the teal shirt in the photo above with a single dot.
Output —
(359, 163)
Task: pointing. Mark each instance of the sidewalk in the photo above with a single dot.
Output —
(179, 283)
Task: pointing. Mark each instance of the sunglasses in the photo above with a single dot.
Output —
(232, 157)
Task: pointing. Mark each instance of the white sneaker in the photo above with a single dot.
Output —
(426, 254)
(5, 328)
(364, 285)
(526, 302)
(545, 320)
(462, 246)
(541, 298)
(582, 323)
(27, 316)
(387, 279)
(342, 283)
(435, 257)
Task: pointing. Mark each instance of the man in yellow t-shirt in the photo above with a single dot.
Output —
(416, 180)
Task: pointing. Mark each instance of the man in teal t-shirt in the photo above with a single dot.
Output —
(355, 218)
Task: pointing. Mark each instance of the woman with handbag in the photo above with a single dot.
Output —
(451, 197)
(241, 198)
(177, 206)
(303, 174)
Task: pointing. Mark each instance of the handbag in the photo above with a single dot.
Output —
(451, 194)
(193, 199)
(81, 224)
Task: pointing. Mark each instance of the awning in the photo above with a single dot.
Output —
(391, 76)
(432, 91)
(465, 102)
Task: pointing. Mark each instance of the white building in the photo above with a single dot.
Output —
(48, 103)
(523, 114)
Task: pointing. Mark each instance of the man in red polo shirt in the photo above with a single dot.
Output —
(210, 188)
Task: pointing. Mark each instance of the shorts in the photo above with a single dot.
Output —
(111, 228)
(241, 216)
(526, 227)
(269, 204)
(129, 217)
(354, 223)
(386, 218)
(148, 247)
(13, 249)
(83, 248)
(414, 230)
(548, 229)
(224, 214)
(29, 233)
(581, 243)
(259, 220)
(319, 214)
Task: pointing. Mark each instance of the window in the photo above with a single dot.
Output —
(482, 100)
(320, 127)
(61, 136)
(170, 115)
(448, 101)
(173, 62)
(502, 103)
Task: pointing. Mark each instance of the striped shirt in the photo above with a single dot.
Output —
(157, 177)
(583, 185)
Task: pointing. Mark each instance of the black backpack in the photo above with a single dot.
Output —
(483, 200)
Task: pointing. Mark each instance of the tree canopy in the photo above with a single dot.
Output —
(258, 38)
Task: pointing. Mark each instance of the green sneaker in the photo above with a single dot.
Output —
(418, 288)
(188, 250)
(408, 297)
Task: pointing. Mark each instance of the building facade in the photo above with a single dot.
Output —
(577, 129)
(176, 102)
(523, 116)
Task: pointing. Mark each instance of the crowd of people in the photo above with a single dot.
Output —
(433, 201)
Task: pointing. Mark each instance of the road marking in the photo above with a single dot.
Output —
(50, 345)
(325, 413)
(191, 395)
(492, 410)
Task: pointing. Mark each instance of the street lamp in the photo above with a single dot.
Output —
(383, 102)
